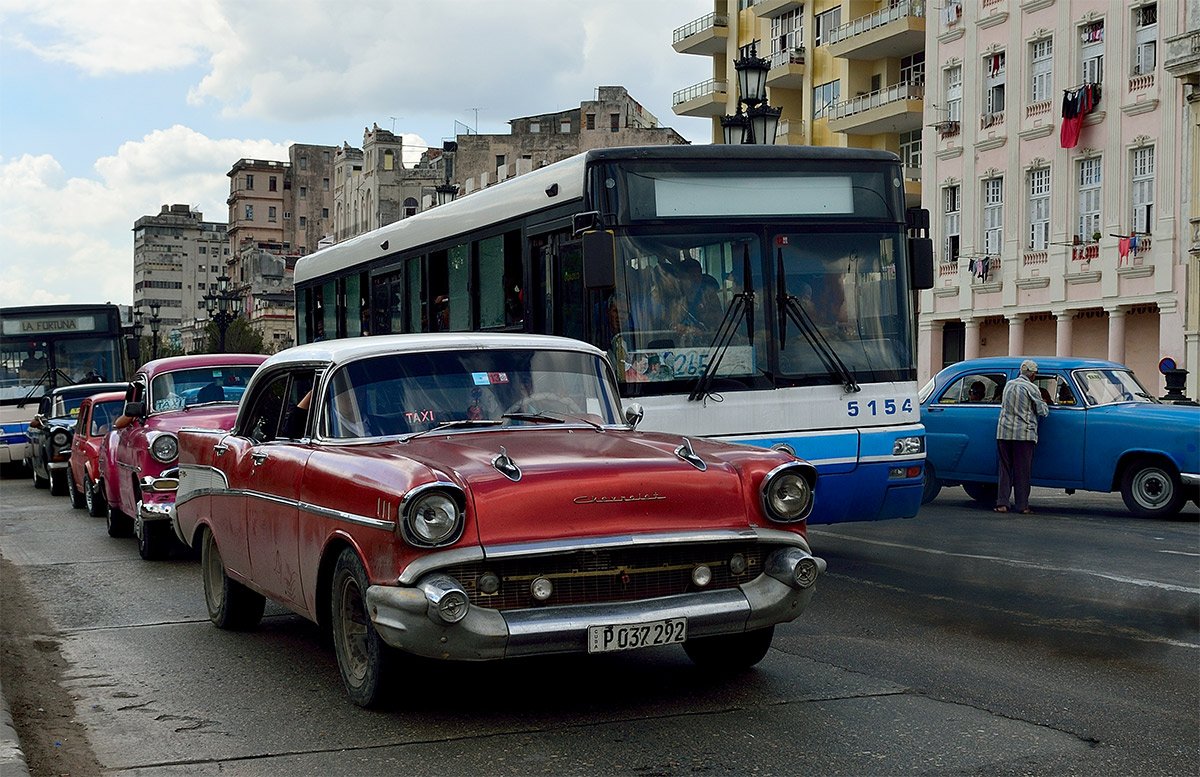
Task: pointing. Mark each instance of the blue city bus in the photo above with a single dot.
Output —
(756, 294)
(43, 347)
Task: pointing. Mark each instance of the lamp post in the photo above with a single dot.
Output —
(760, 121)
(446, 191)
(155, 321)
(222, 308)
(133, 340)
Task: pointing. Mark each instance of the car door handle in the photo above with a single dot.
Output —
(935, 409)
(259, 457)
(220, 448)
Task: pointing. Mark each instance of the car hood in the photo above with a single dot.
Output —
(576, 482)
(1152, 413)
(204, 417)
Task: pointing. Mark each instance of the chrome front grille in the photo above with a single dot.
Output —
(608, 575)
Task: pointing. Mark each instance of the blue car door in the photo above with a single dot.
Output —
(960, 426)
(1062, 434)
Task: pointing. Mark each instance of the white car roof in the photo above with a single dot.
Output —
(353, 348)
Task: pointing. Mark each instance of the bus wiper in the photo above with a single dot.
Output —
(46, 378)
(741, 306)
(791, 307)
(445, 425)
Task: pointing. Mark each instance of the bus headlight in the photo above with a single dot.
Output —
(432, 518)
(787, 492)
(165, 448)
(907, 446)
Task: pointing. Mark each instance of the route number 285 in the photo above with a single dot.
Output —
(877, 407)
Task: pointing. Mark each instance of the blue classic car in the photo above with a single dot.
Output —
(1104, 432)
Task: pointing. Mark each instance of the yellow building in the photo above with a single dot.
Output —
(845, 73)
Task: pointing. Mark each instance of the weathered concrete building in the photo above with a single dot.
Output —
(177, 258)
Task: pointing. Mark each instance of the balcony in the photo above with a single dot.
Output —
(1182, 54)
(1085, 252)
(888, 34)
(896, 108)
(703, 100)
(769, 9)
(790, 133)
(787, 69)
(707, 35)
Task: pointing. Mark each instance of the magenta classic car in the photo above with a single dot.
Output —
(140, 455)
(482, 496)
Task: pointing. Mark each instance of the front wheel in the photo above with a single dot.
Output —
(364, 659)
(154, 539)
(231, 605)
(1151, 489)
(77, 499)
(984, 493)
(730, 651)
(58, 482)
(932, 486)
(38, 480)
(119, 524)
(93, 495)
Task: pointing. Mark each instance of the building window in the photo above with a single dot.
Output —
(324, 184)
(912, 69)
(287, 214)
(993, 85)
(787, 34)
(272, 184)
(389, 160)
(410, 207)
(203, 250)
(214, 267)
(249, 181)
(954, 93)
(1090, 179)
(591, 121)
(825, 96)
(324, 213)
(1039, 208)
(910, 149)
(614, 122)
(950, 222)
(993, 215)
(824, 24)
(501, 159)
(1092, 52)
(1041, 70)
(303, 192)
(564, 127)
(1143, 189)
(249, 213)
(1145, 39)
(535, 127)
(303, 221)
(271, 213)
(303, 161)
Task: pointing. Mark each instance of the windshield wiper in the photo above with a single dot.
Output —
(537, 418)
(741, 306)
(791, 307)
(446, 425)
(46, 378)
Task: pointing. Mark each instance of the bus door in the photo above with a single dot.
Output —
(560, 299)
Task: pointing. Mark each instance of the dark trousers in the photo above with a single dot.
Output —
(1016, 466)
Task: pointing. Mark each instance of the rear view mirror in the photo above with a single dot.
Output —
(920, 258)
(599, 259)
(633, 414)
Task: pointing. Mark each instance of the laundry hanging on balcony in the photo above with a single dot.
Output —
(1125, 246)
(981, 266)
(951, 13)
(1077, 103)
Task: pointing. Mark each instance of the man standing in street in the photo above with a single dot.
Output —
(1021, 406)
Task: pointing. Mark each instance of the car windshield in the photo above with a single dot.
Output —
(199, 386)
(416, 392)
(1111, 386)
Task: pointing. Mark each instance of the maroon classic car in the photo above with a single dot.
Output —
(481, 496)
(96, 415)
(140, 458)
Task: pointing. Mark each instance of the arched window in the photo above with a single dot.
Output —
(410, 207)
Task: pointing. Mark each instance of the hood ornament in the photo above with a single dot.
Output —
(506, 466)
(686, 453)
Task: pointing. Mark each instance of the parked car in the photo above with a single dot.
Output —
(1104, 432)
(139, 460)
(96, 416)
(481, 496)
(51, 429)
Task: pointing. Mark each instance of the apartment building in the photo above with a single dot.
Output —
(177, 258)
(1054, 180)
(847, 73)
(371, 185)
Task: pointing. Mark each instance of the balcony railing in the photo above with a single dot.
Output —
(1085, 252)
(947, 269)
(1037, 109)
(711, 86)
(885, 96)
(700, 25)
(792, 56)
(1139, 81)
(901, 10)
(991, 119)
(1035, 257)
(1143, 245)
(948, 129)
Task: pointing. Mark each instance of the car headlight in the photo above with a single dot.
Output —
(432, 518)
(165, 448)
(906, 446)
(60, 439)
(787, 493)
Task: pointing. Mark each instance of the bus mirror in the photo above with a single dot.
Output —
(585, 222)
(920, 257)
(134, 409)
(599, 259)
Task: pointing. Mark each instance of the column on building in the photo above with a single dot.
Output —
(1016, 334)
(1062, 337)
(929, 348)
(971, 338)
(1116, 333)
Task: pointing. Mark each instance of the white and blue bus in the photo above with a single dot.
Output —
(756, 294)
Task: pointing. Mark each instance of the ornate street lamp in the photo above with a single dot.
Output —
(154, 324)
(760, 121)
(223, 307)
(133, 340)
(445, 192)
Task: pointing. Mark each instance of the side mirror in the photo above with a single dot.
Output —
(599, 259)
(633, 414)
(920, 258)
(134, 409)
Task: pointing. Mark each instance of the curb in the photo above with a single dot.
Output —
(12, 759)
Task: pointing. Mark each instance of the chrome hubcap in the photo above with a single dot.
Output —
(354, 630)
(1151, 488)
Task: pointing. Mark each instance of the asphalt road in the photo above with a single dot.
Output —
(962, 641)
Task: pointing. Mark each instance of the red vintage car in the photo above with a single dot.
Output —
(140, 456)
(96, 415)
(481, 496)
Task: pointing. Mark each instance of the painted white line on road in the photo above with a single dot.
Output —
(1016, 563)
(1180, 553)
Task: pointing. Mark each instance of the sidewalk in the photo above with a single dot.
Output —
(12, 760)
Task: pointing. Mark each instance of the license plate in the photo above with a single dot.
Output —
(628, 636)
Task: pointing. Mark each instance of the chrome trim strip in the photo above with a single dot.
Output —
(1189, 478)
(338, 515)
(443, 558)
(894, 458)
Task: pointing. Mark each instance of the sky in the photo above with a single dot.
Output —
(110, 109)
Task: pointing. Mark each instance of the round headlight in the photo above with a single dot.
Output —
(489, 583)
(433, 519)
(59, 439)
(541, 588)
(164, 448)
(788, 496)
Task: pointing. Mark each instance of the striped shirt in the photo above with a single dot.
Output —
(1020, 406)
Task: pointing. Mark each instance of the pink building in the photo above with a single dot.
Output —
(1055, 178)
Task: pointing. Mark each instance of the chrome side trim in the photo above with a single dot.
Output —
(443, 558)
(337, 515)
(1190, 478)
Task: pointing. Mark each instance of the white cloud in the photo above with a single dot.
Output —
(71, 239)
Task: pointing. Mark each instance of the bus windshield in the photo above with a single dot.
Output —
(27, 364)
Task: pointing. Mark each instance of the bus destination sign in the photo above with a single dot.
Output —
(14, 327)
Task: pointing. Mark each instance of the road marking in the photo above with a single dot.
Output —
(1017, 563)
(1180, 553)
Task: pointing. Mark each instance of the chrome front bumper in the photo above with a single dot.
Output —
(149, 512)
(407, 618)
(1190, 479)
